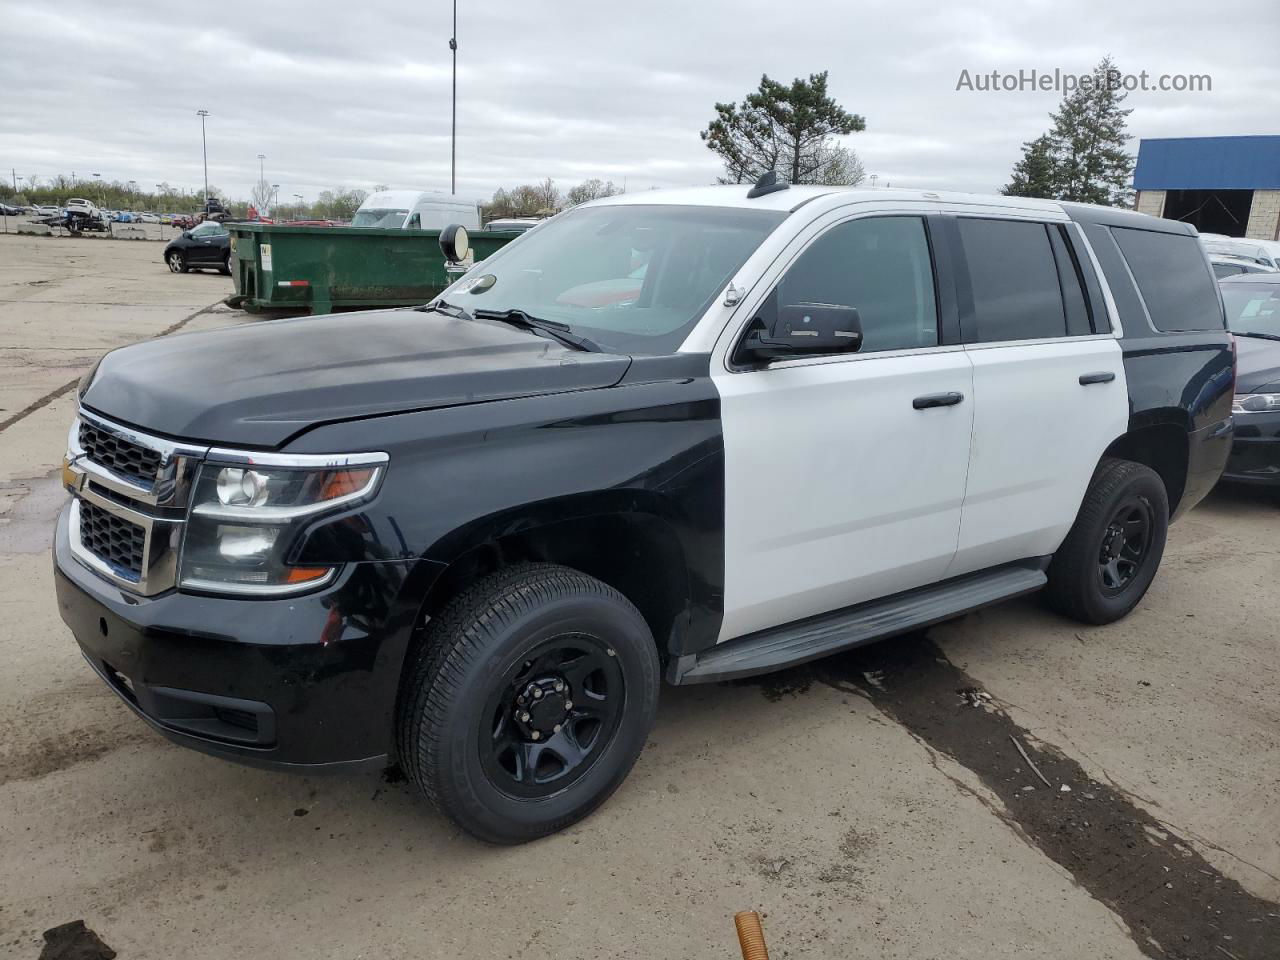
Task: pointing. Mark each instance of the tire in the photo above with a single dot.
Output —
(1108, 560)
(176, 261)
(225, 268)
(505, 761)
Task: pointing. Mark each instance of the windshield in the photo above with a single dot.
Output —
(632, 278)
(1252, 307)
(384, 217)
(207, 229)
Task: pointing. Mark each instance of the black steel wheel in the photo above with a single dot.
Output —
(1125, 543)
(1113, 550)
(527, 702)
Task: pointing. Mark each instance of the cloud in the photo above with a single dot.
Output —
(338, 94)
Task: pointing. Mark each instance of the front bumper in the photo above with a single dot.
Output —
(1255, 454)
(305, 682)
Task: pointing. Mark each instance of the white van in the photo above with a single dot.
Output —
(416, 210)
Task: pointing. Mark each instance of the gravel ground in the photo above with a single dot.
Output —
(874, 805)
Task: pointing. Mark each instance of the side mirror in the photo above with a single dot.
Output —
(454, 243)
(806, 329)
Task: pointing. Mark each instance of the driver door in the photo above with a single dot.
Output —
(844, 481)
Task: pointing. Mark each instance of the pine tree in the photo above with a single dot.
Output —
(1036, 174)
(1083, 157)
(1089, 139)
(784, 127)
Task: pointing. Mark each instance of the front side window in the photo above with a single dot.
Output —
(632, 278)
(1172, 277)
(881, 267)
(1017, 294)
(387, 217)
(209, 228)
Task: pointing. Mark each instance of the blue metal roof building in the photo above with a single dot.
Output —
(1225, 185)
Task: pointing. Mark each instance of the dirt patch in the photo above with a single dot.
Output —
(50, 754)
(1176, 905)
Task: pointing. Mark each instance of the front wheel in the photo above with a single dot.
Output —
(176, 261)
(528, 703)
(1111, 555)
(225, 267)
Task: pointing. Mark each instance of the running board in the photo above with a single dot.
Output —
(816, 637)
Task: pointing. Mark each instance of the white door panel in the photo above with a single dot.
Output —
(1038, 435)
(838, 490)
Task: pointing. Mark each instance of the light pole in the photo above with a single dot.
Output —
(275, 196)
(298, 196)
(453, 133)
(204, 152)
(102, 197)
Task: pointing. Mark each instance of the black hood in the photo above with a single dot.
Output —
(260, 383)
(1257, 365)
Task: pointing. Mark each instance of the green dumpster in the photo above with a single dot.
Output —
(322, 269)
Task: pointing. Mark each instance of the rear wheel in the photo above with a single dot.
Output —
(176, 261)
(529, 702)
(225, 267)
(1108, 560)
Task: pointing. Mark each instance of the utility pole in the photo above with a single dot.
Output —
(453, 135)
(204, 150)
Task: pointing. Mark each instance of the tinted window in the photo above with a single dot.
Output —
(1016, 294)
(1073, 300)
(1172, 277)
(881, 266)
(1132, 316)
(1227, 269)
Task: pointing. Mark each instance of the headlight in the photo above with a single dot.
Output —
(249, 510)
(1256, 402)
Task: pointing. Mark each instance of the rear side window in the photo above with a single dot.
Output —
(1173, 279)
(1016, 291)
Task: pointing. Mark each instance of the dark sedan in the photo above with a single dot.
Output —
(205, 246)
(1253, 313)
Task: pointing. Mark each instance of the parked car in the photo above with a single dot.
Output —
(46, 210)
(8, 210)
(1261, 252)
(205, 246)
(476, 535)
(1225, 266)
(416, 210)
(512, 224)
(1253, 315)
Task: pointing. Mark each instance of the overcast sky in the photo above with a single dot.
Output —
(349, 94)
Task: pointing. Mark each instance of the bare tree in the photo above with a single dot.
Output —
(261, 197)
(592, 189)
(837, 166)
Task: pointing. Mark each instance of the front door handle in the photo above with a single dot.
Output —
(937, 400)
(1102, 376)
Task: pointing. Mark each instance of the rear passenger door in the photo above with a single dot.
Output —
(1048, 385)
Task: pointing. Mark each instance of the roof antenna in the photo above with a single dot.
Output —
(766, 184)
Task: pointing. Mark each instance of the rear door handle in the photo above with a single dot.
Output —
(937, 400)
(1102, 376)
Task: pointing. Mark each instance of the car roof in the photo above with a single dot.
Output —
(1262, 276)
(793, 197)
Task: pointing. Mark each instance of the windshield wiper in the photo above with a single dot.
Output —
(448, 309)
(1260, 336)
(557, 331)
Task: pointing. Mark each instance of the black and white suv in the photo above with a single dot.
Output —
(695, 435)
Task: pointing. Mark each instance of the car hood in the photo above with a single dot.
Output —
(258, 384)
(1257, 365)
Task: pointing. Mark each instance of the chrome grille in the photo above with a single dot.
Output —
(113, 539)
(131, 491)
(118, 454)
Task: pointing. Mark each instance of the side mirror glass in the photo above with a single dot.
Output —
(805, 329)
(454, 243)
